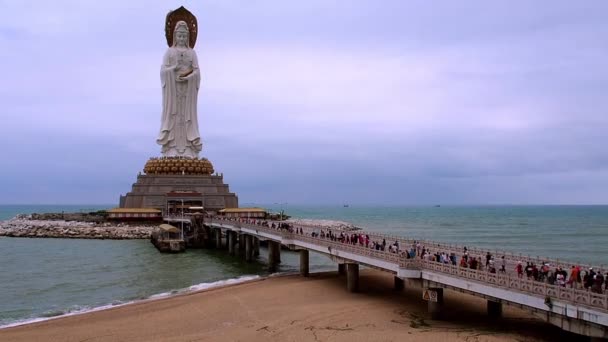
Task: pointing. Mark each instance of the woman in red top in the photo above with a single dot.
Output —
(573, 277)
(520, 270)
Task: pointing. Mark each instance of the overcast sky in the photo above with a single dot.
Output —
(329, 102)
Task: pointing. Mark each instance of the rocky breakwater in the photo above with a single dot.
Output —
(26, 226)
(327, 224)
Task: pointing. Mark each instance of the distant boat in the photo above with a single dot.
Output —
(437, 206)
(346, 206)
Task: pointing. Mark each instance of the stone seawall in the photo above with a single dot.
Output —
(26, 226)
(331, 224)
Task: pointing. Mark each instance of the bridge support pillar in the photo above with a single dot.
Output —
(241, 249)
(248, 248)
(256, 246)
(231, 242)
(399, 284)
(304, 262)
(274, 255)
(435, 307)
(494, 309)
(278, 252)
(352, 277)
(218, 238)
(341, 269)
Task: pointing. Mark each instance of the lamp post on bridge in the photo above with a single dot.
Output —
(281, 212)
(182, 220)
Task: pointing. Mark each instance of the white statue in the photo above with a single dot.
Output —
(180, 79)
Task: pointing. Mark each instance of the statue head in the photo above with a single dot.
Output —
(181, 34)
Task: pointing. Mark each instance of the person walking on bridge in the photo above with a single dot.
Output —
(589, 278)
(598, 283)
(519, 269)
(574, 274)
(463, 262)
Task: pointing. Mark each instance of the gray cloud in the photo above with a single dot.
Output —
(318, 102)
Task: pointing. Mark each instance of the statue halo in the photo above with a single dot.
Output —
(181, 14)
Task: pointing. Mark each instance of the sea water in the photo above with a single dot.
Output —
(45, 278)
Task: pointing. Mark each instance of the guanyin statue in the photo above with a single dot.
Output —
(180, 80)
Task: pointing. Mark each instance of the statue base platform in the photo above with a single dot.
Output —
(172, 190)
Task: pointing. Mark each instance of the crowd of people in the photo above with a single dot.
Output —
(577, 278)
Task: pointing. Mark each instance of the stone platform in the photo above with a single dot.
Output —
(170, 181)
(153, 191)
(161, 185)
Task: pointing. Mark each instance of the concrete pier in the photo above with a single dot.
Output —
(274, 255)
(304, 262)
(231, 243)
(278, 253)
(399, 284)
(352, 277)
(248, 248)
(271, 259)
(256, 246)
(435, 306)
(241, 249)
(494, 309)
(341, 269)
(218, 238)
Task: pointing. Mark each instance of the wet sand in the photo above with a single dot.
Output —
(292, 308)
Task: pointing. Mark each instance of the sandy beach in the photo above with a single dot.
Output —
(292, 308)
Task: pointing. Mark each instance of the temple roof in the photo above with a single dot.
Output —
(133, 210)
(169, 228)
(243, 210)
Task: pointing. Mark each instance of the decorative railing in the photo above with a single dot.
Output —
(503, 280)
(405, 244)
(325, 242)
(510, 258)
(344, 247)
(584, 297)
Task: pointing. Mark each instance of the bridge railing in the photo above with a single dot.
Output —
(355, 249)
(326, 242)
(573, 295)
(435, 246)
(511, 258)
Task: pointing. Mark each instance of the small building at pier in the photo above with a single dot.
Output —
(135, 214)
(258, 213)
(168, 239)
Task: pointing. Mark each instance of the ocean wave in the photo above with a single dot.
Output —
(49, 315)
(52, 313)
(78, 310)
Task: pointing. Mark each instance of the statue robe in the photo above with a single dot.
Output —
(179, 135)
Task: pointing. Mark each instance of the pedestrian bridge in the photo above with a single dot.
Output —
(575, 310)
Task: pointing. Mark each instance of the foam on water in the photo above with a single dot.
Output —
(82, 310)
